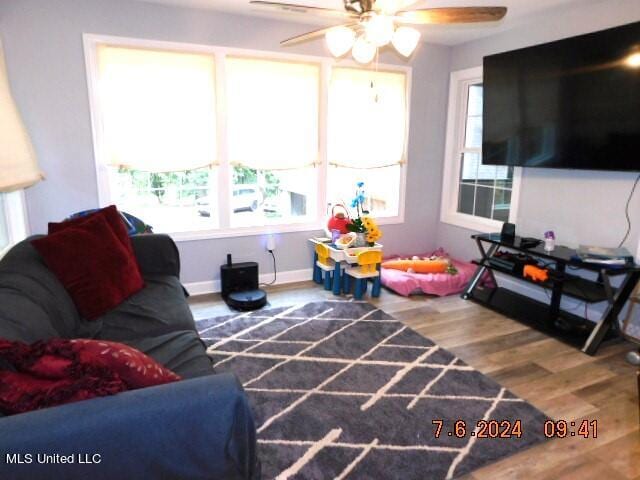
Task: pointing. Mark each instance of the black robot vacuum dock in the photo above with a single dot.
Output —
(240, 286)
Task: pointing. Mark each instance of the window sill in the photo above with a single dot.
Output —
(263, 230)
(470, 222)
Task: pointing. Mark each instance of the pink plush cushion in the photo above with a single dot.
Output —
(440, 284)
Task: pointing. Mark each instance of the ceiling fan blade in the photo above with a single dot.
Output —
(309, 35)
(452, 15)
(293, 8)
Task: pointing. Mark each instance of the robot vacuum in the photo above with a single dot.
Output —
(247, 300)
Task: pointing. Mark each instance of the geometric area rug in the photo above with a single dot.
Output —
(341, 390)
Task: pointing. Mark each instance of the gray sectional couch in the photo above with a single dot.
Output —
(200, 427)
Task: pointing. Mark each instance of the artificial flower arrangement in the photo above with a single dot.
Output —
(363, 223)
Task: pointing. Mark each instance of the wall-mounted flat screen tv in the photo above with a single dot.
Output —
(573, 103)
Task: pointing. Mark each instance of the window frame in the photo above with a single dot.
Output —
(459, 84)
(91, 41)
(14, 214)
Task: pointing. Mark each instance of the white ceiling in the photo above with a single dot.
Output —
(519, 12)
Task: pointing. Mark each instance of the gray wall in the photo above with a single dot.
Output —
(43, 47)
(581, 206)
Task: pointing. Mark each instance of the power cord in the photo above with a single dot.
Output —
(626, 211)
(579, 305)
(275, 271)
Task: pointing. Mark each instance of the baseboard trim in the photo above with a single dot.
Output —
(213, 286)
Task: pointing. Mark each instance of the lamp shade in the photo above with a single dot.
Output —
(379, 30)
(405, 40)
(340, 40)
(363, 51)
(633, 60)
(18, 164)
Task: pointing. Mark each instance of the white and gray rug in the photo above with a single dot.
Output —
(342, 390)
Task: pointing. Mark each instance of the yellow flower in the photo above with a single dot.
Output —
(373, 233)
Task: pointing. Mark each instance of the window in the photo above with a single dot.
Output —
(170, 201)
(273, 110)
(13, 226)
(367, 136)
(208, 141)
(4, 229)
(476, 196)
(158, 117)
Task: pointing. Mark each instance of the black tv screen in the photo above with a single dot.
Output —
(573, 103)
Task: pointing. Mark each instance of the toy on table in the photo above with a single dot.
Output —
(536, 274)
(421, 265)
(346, 240)
(338, 221)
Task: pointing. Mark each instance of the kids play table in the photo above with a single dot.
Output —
(342, 258)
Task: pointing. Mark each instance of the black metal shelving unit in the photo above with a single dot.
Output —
(550, 318)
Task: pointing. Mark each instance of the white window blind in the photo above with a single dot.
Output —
(18, 164)
(272, 113)
(367, 118)
(158, 108)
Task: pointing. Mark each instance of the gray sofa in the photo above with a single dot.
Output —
(200, 427)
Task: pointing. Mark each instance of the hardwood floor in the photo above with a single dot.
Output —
(561, 381)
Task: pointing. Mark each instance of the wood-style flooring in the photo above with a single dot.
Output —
(558, 379)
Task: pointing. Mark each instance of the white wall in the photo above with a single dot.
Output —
(45, 61)
(581, 206)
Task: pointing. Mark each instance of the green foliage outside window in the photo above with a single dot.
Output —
(249, 176)
(195, 183)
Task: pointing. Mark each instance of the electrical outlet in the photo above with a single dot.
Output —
(271, 243)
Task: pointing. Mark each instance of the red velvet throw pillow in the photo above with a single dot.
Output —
(59, 371)
(110, 214)
(94, 266)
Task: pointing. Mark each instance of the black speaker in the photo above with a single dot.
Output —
(238, 277)
(508, 233)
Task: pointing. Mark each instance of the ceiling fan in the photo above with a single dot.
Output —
(372, 24)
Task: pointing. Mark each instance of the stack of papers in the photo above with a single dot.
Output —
(605, 256)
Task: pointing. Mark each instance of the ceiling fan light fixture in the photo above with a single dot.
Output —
(340, 40)
(633, 60)
(363, 51)
(388, 7)
(405, 40)
(379, 30)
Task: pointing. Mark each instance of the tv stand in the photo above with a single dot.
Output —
(550, 318)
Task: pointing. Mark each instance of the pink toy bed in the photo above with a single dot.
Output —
(440, 284)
